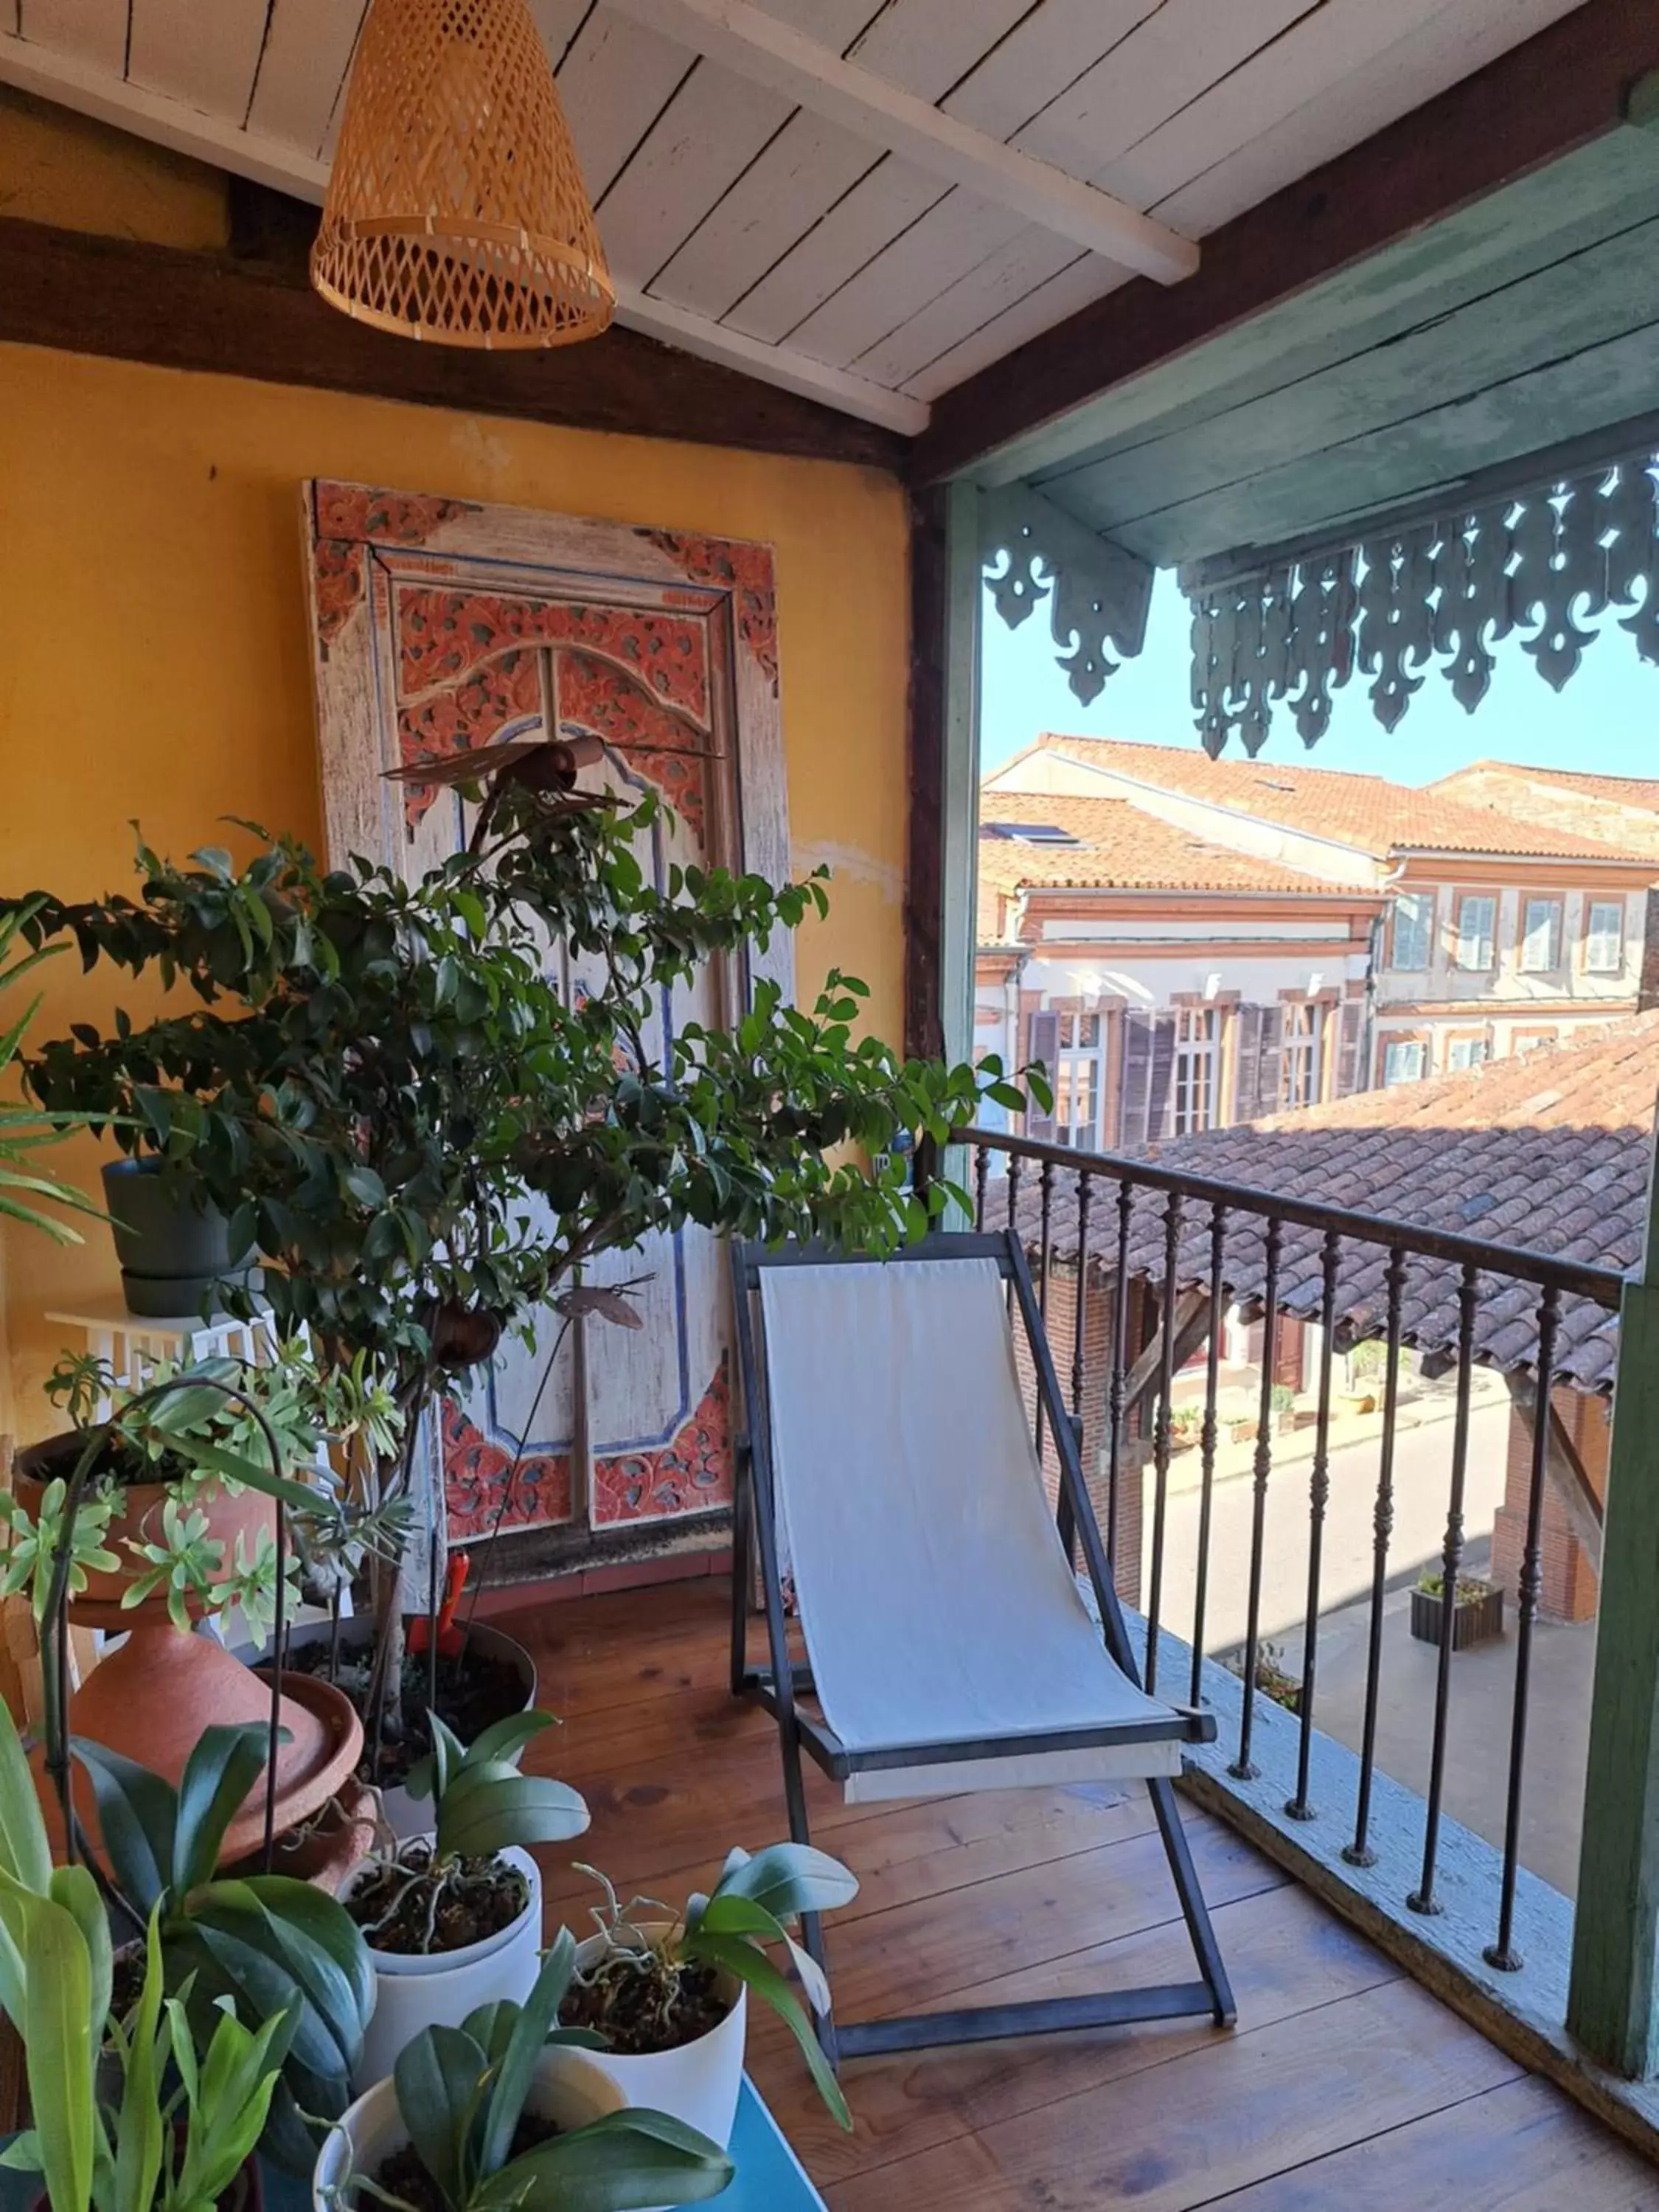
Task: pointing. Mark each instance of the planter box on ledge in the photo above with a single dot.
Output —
(1475, 1618)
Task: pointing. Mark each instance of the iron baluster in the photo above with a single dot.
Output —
(1423, 1899)
(1045, 1239)
(1207, 1481)
(1079, 1339)
(1118, 1391)
(1503, 1954)
(1319, 1492)
(1015, 1165)
(1162, 1430)
(1359, 1852)
(982, 1175)
(1244, 1767)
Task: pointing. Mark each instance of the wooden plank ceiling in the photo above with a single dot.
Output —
(756, 225)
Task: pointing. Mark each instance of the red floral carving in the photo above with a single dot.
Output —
(596, 696)
(470, 715)
(474, 1480)
(442, 635)
(692, 1472)
(347, 516)
(744, 571)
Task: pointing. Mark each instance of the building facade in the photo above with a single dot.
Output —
(1483, 918)
(1170, 984)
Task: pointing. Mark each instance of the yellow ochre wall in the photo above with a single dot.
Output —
(156, 664)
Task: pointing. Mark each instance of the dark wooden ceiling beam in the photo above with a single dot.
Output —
(1558, 91)
(260, 319)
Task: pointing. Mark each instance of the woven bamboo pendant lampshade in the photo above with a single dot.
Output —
(456, 210)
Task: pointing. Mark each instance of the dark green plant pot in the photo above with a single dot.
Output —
(173, 1246)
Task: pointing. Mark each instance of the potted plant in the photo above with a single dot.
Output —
(379, 1081)
(452, 1919)
(165, 1513)
(267, 1943)
(153, 2147)
(1477, 1612)
(499, 2112)
(667, 1992)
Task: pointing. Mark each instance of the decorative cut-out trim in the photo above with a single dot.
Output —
(1099, 592)
(1443, 588)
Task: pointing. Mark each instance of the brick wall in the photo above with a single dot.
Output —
(1570, 1586)
(1098, 1324)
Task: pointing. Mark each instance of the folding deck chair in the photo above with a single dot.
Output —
(949, 1645)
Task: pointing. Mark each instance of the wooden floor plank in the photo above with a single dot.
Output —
(1285, 1952)
(1521, 2147)
(1182, 2133)
(1345, 2088)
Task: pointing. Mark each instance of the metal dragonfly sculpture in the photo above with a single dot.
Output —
(543, 768)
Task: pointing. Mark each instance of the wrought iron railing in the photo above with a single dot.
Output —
(1185, 1255)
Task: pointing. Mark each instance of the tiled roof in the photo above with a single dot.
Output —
(1119, 848)
(1549, 1150)
(1365, 812)
(1626, 807)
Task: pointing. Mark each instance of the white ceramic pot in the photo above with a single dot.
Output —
(441, 1988)
(568, 2089)
(701, 2082)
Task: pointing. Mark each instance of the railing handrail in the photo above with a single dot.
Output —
(1604, 1286)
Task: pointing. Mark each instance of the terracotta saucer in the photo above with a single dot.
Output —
(151, 1698)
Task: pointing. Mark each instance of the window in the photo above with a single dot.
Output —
(1077, 1084)
(1541, 936)
(1300, 1040)
(1466, 1052)
(1193, 1097)
(1604, 936)
(1403, 1062)
(1477, 918)
(1413, 928)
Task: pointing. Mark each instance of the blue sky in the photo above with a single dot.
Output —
(1604, 722)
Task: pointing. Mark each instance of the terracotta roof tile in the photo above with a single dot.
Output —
(1625, 808)
(1366, 811)
(1548, 1151)
(1117, 846)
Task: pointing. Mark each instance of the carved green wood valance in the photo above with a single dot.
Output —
(1099, 593)
(1432, 593)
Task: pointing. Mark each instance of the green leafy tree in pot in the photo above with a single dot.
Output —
(378, 1078)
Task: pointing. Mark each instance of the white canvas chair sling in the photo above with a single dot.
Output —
(948, 1644)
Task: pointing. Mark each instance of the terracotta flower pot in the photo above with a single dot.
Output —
(151, 1698)
(138, 1518)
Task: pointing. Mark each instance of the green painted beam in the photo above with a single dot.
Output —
(1611, 1998)
(1511, 331)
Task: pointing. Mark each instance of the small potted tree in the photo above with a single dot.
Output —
(424, 1143)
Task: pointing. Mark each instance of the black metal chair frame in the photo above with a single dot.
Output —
(778, 1686)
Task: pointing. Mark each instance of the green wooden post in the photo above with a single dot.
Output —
(1610, 2002)
(965, 593)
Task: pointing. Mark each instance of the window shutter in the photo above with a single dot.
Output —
(1137, 1067)
(1270, 1062)
(1042, 1043)
(1347, 1049)
(1248, 1082)
(1158, 1074)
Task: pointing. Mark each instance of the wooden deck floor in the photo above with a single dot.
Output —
(1345, 2087)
